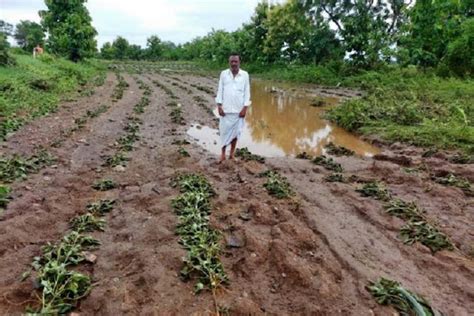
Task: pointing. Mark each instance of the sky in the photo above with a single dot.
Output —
(178, 20)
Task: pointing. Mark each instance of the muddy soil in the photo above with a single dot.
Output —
(312, 254)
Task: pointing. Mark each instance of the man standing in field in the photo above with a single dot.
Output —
(233, 99)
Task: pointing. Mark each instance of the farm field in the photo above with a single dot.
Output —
(299, 233)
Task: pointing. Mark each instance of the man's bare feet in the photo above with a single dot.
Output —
(221, 159)
(231, 157)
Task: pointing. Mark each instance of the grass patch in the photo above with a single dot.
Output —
(328, 163)
(104, 185)
(277, 185)
(34, 87)
(246, 155)
(388, 292)
(413, 107)
(201, 241)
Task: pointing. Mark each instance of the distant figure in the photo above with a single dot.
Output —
(233, 99)
(38, 50)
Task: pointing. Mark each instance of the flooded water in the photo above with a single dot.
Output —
(282, 122)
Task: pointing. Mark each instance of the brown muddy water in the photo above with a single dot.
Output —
(282, 122)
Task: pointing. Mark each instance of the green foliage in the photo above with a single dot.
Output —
(34, 87)
(335, 177)
(328, 163)
(196, 236)
(452, 180)
(61, 288)
(425, 233)
(104, 185)
(333, 149)
(118, 159)
(28, 34)
(433, 25)
(101, 207)
(460, 51)
(183, 152)
(176, 115)
(87, 223)
(246, 155)
(70, 30)
(388, 292)
(376, 190)
(410, 106)
(4, 195)
(17, 167)
(5, 58)
(277, 185)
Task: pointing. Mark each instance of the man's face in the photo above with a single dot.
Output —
(234, 62)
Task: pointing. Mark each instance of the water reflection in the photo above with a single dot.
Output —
(282, 122)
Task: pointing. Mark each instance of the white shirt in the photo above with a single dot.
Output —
(233, 92)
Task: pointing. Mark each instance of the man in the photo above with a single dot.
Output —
(38, 50)
(233, 100)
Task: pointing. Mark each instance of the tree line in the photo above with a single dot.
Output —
(362, 34)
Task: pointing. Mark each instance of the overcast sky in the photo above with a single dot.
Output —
(174, 20)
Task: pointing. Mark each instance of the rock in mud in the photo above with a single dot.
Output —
(235, 241)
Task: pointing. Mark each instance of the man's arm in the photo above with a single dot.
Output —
(247, 101)
(219, 96)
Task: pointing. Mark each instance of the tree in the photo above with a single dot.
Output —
(433, 25)
(134, 52)
(70, 29)
(154, 48)
(6, 29)
(107, 51)
(28, 34)
(460, 52)
(367, 29)
(120, 48)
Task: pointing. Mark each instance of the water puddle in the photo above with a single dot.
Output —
(282, 122)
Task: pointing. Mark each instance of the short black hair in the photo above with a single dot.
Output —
(235, 54)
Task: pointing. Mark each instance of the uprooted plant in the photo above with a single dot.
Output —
(246, 155)
(104, 185)
(333, 149)
(277, 185)
(200, 240)
(455, 181)
(417, 227)
(388, 292)
(176, 115)
(327, 163)
(17, 167)
(62, 288)
(4, 196)
(376, 190)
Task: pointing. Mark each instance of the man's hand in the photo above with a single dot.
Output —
(243, 112)
(221, 111)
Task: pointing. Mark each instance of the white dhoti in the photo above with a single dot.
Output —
(230, 127)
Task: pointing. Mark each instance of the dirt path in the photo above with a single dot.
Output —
(313, 254)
